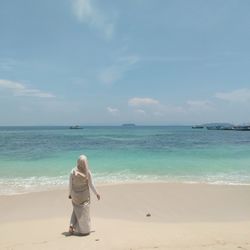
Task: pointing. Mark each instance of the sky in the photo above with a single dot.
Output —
(149, 62)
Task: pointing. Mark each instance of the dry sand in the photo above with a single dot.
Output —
(183, 216)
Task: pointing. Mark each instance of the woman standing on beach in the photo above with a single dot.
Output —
(79, 183)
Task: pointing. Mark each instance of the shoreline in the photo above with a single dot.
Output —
(114, 183)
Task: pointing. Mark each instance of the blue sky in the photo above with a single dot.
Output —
(66, 62)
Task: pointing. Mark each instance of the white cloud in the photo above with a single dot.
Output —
(116, 71)
(171, 109)
(158, 113)
(7, 64)
(19, 89)
(129, 60)
(198, 105)
(238, 95)
(110, 75)
(137, 101)
(170, 59)
(112, 111)
(154, 109)
(86, 12)
(140, 111)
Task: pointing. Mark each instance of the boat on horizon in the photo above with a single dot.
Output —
(197, 126)
(76, 127)
(236, 128)
(242, 128)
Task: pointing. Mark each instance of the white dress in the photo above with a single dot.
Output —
(79, 192)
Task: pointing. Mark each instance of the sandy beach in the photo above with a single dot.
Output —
(183, 216)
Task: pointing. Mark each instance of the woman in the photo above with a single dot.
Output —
(79, 183)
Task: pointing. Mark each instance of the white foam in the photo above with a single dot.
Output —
(10, 186)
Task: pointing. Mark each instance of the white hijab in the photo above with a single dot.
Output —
(82, 166)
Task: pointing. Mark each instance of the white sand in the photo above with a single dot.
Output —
(183, 216)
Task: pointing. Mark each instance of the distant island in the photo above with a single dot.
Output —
(128, 125)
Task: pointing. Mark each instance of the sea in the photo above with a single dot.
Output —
(41, 158)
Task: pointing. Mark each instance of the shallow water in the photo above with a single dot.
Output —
(38, 158)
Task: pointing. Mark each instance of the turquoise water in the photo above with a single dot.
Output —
(38, 158)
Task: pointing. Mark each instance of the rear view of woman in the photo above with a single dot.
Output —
(80, 182)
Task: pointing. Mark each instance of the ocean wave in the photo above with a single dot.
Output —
(11, 186)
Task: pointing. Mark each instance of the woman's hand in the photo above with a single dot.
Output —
(98, 196)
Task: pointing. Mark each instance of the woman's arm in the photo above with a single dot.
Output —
(92, 186)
